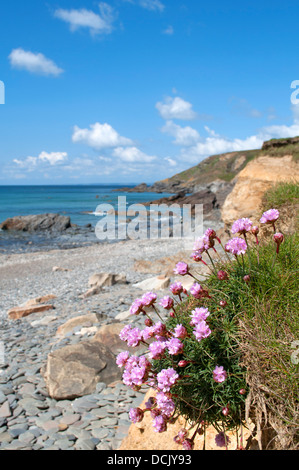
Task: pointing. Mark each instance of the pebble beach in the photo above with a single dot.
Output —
(29, 417)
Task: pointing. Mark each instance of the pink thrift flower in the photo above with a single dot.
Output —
(159, 423)
(134, 337)
(165, 404)
(241, 226)
(180, 437)
(159, 329)
(147, 333)
(180, 332)
(219, 374)
(136, 307)
(198, 315)
(176, 288)
(122, 358)
(157, 349)
(203, 244)
(166, 302)
(181, 268)
(174, 346)
(136, 415)
(201, 330)
(270, 216)
(124, 332)
(210, 233)
(236, 246)
(196, 290)
(166, 378)
(148, 299)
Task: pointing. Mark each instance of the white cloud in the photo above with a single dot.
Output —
(215, 144)
(152, 5)
(33, 62)
(132, 154)
(30, 163)
(171, 161)
(97, 23)
(184, 136)
(53, 158)
(100, 136)
(176, 108)
(169, 31)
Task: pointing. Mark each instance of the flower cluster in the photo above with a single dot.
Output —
(188, 356)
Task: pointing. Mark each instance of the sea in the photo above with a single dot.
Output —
(82, 203)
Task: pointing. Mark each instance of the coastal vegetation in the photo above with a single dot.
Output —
(229, 348)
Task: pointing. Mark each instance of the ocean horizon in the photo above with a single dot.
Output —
(79, 201)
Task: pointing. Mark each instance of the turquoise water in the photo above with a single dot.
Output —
(73, 201)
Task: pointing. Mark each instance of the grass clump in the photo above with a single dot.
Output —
(281, 193)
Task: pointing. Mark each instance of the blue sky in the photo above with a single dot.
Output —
(130, 91)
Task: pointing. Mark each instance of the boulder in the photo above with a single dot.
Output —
(37, 223)
(75, 370)
(40, 300)
(142, 436)
(21, 312)
(153, 283)
(81, 321)
(109, 336)
(106, 279)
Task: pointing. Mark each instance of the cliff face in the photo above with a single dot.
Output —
(252, 182)
(222, 168)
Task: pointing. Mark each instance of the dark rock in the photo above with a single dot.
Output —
(37, 223)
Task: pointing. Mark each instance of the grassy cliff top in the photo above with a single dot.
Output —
(227, 165)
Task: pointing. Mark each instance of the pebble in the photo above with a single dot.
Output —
(29, 418)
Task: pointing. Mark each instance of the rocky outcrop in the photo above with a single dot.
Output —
(253, 181)
(75, 370)
(278, 143)
(142, 436)
(37, 223)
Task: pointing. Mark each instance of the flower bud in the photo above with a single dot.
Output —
(148, 322)
(255, 230)
(278, 238)
(246, 278)
(223, 303)
(172, 315)
(183, 363)
(225, 411)
(222, 275)
(242, 391)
